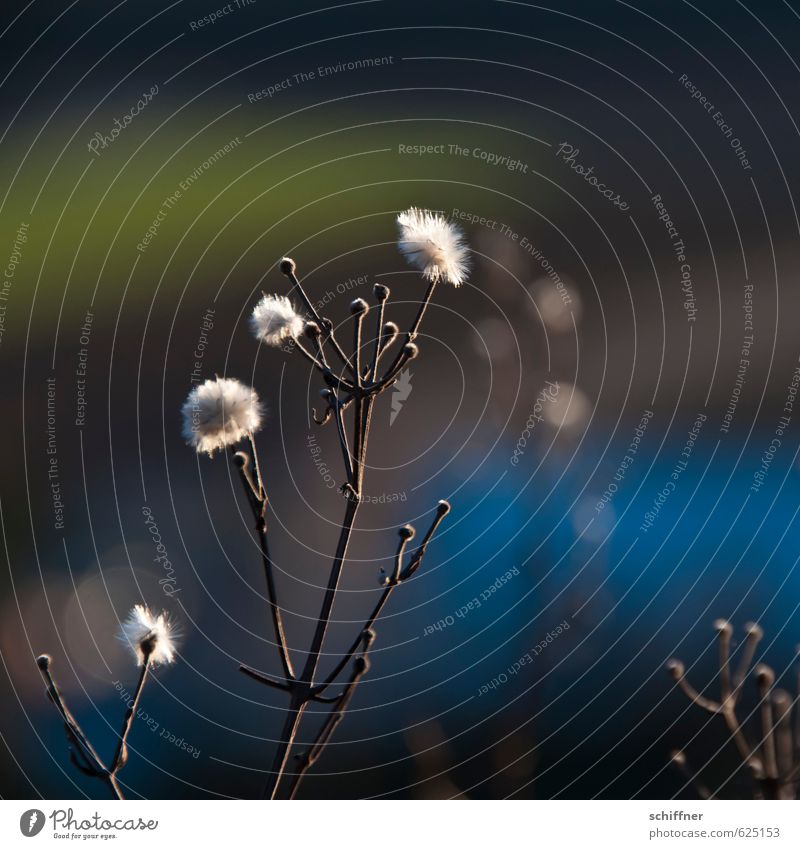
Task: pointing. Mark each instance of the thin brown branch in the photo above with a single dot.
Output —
(82, 748)
(360, 667)
(121, 754)
(259, 507)
(289, 268)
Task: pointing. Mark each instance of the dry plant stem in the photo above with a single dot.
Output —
(421, 312)
(796, 705)
(334, 717)
(324, 325)
(264, 679)
(290, 726)
(726, 711)
(121, 754)
(725, 663)
(310, 669)
(394, 581)
(259, 506)
(412, 333)
(767, 737)
(748, 653)
(679, 759)
(361, 394)
(772, 761)
(373, 369)
(340, 429)
(783, 733)
(83, 747)
(376, 612)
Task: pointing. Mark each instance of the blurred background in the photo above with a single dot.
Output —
(625, 176)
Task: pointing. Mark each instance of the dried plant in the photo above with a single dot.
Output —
(151, 639)
(774, 760)
(224, 413)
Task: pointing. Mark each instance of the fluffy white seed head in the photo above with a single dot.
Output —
(274, 320)
(434, 245)
(151, 638)
(220, 412)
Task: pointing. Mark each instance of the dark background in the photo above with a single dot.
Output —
(318, 175)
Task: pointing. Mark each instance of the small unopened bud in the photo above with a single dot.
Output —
(240, 459)
(368, 638)
(753, 629)
(390, 330)
(722, 626)
(678, 757)
(325, 393)
(407, 532)
(410, 350)
(381, 292)
(764, 675)
(783, 702)
(312, 329)
(43, 662)
(288, 266)
(675, 668)
(443, 507)
(360, 665)
(359, 307)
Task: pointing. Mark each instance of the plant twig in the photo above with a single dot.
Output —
(361, 393)
(82, 748)
(360, 667)
(259, 507)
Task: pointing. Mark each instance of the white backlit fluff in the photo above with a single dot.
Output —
(274, 320)
(434, 245)
(219, 413)
(149, 637)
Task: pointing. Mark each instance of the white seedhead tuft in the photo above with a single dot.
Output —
(275, 320)
(219, 413)
(151, 638)
(434, 245)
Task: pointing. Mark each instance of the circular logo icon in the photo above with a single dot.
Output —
(31, 822)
